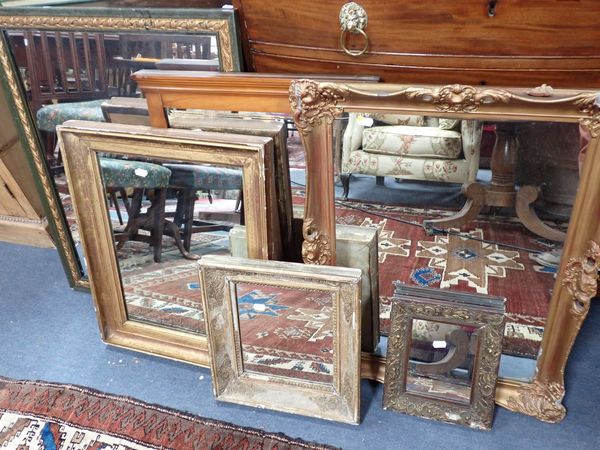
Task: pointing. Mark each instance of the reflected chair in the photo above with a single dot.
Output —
(143, 178)
(187, 179)
(410, 147)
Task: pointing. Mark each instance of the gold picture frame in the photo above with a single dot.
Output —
(80, 142)
(233, 381)
(467, 329)
(221, 23)
(317, 104)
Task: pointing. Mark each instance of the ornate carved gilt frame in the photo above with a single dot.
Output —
(81, 141)
(315, 105)
(339, 400)
(222, 23)
(484, 313)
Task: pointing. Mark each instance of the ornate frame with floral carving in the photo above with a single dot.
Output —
(481, 312)
(339, 400)
(221, 23)
(81, 142)
(316, 104)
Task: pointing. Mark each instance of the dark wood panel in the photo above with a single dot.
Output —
(556, 41)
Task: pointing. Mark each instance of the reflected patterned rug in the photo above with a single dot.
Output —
(45, 416)
(468, 262)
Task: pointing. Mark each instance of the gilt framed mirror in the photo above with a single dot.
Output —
(62, 63)
(524, 227)
(138, 193)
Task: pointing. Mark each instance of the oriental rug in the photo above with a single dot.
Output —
(45, 416)
(472, 259)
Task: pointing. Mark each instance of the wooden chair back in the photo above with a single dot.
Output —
(65, 66)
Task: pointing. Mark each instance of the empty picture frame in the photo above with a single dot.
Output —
(81, 143)
(443, 355)
(284, 336)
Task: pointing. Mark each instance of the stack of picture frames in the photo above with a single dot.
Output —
(292, 305)
(318, 340)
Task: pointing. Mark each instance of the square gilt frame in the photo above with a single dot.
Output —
(339, 401)
(316, 104)
(80, 142)
(221, 23)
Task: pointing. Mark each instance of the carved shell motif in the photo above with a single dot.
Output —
(458, 97)
(312, 102)
(581, 279)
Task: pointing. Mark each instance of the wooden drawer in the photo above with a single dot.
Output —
(526, 43)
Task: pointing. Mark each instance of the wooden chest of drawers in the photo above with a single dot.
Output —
(525, 42)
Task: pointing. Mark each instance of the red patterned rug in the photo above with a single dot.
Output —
(39, 415)
(469, 261)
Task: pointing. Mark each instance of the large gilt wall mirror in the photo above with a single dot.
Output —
(482, 190)
(64, 63)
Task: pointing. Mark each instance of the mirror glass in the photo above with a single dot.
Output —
(286, 332)
(68, 74)
(441, 360)
(165, 215)
(468, 206)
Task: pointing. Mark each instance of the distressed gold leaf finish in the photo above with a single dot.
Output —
(458, 97)
(316, 248)
(590, 105)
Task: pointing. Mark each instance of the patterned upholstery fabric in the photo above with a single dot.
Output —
(204, 177)
(134, 174)
(397, 119)
(49, 116)
(424, 142)
(449, 170)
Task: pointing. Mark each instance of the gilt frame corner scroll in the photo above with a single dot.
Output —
(315, 105)
(222, 23)
(81, 142)
(233, 382)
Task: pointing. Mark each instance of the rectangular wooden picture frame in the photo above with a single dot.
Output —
(284, 336)
(81, 142)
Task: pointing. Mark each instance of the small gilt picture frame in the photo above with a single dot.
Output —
(443, 355)
(284, 336)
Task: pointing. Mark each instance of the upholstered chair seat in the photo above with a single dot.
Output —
(410, 147)
(50, 116)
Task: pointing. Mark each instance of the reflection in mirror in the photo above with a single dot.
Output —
(465, 205)
(441, 360)
(68, 74)
(286, 332)
(165, 215)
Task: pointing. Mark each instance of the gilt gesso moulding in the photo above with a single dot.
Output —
(315, 105)
(81, 143)
(220, 23)
(236, 379)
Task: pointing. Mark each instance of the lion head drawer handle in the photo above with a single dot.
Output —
(353, 19)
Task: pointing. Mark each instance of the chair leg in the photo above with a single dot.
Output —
(345, 177)
(380, 181)
(158, 225)
(189, 203)
(115, 202)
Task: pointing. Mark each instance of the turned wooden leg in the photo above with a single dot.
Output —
(158, 222)
(345, 178)
(525, 212)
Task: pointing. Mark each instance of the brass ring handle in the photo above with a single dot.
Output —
(354, 52)
(353, 19)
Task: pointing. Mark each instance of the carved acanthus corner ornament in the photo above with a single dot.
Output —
(313, 102)
(458, 97)
(581, 279)
(540, 400)
(590, 105)
(316, 248)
